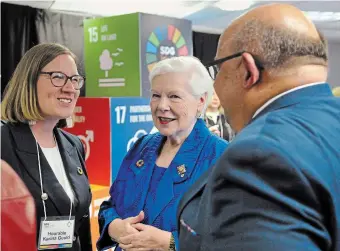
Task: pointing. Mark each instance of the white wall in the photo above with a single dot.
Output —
(334, 63)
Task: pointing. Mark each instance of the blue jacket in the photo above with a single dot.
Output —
(128, 193)
(277, 186)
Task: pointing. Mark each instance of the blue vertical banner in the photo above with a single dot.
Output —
(130, 119)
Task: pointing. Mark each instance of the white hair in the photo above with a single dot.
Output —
(200, 81)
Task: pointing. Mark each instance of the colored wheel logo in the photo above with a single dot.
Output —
(165, 42)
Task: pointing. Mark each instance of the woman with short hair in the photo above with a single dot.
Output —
(160, 167)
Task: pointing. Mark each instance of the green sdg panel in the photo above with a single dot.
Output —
(120, 51)
(111, 49)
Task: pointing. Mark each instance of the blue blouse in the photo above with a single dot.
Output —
(140, 185)
(151, 201)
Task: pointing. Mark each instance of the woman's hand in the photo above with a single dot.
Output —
(148, 238)
(214, 129)
(119, 228)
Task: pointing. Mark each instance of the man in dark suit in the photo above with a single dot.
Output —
(277, 186)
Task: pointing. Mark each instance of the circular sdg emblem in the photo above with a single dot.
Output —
(165, 42)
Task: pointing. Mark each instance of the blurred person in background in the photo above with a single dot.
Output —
(160, 167)
(41, 94)
(216, 121)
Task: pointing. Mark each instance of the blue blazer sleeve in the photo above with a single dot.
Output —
(107, 214)
(107, 211)
(257, 209)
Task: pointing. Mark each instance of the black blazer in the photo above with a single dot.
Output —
(18, 149)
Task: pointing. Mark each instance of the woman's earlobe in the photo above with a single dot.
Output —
(204, 98)
(198, 113)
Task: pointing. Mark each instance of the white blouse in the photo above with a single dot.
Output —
(55, 161)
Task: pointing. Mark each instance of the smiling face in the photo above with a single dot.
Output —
(57, 102)
(174, 108)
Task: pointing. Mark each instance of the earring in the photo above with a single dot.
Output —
(32, 122)
(198, 114)
(69, 122)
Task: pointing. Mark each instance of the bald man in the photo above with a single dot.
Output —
(277, 186)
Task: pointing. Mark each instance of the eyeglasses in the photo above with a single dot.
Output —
(214, 67)
(59, 79)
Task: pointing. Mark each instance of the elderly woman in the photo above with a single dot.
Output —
(40, 96)
(141, 213)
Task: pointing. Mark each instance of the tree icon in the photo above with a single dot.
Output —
(106, 62)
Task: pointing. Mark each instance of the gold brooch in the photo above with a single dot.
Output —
(80, 171)
(181, 170)
(140, 163)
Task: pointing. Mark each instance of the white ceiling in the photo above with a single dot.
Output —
(206, 16)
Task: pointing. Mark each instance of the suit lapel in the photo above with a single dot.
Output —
(193, 190)
(186, 157)
(73, 165)
(27, 152)
(137, 176)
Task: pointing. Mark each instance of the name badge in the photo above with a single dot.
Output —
(56, 232)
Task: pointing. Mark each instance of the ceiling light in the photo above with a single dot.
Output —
(234, 5)
(322, 16)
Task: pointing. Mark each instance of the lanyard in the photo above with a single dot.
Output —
(44, 195)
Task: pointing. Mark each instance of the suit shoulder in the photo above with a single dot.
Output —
(214, 148)
(6, 132)
(278, 129)
(6, 141)
(285, 137)
(308, 120)
(256, 138)
(142, 141)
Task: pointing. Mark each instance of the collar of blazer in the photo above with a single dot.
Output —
(187, 155)
(27, 152)
(194, 189)
(25, 140)
(296, 97)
